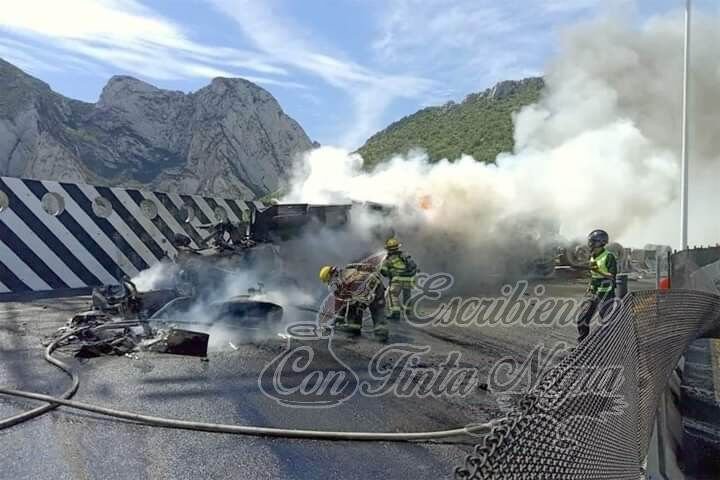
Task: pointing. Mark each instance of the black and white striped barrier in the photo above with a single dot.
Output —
(56, 235)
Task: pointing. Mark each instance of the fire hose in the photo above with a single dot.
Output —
(64, 400)
(19, 418)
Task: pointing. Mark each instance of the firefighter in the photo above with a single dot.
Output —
(400, 269)
(600, 294)
(356, 287)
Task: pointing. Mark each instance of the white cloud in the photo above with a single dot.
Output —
(31, 57)
(577, 5)
(89, 20)
(471, 43)
(370, 91)
(26, 60)
(126, 35)
(435, 26)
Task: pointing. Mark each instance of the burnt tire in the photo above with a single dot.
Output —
(246, 313)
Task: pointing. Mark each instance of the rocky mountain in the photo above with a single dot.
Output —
(230, 138)
(481, 125)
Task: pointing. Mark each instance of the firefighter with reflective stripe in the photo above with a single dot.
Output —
(601, 291)
(356, 288)
(400, 269)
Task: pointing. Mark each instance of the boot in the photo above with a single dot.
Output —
(381, 332)
(349, 328)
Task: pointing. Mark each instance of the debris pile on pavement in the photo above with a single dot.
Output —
(179, 342)
(123, 320)
(124, 300)
(96, 333)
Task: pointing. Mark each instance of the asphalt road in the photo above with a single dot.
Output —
(69, 444)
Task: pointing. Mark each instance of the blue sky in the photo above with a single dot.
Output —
(343, 68)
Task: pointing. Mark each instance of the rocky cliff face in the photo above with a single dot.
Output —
(230, 138)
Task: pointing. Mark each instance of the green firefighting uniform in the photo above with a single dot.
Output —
(400, 269)
(601, 291)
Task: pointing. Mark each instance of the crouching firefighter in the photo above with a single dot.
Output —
(600, 294)
(400, 269)
(356, 288)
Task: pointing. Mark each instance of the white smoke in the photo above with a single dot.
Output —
(228, 332)
(158, 276)
(223, 280)
(599, 150)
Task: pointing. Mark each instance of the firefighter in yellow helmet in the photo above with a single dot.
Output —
(326, 273)
(356, 287)
(400, 269)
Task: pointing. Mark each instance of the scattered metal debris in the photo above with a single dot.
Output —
(126, 301)
(179, 342)
(123, 321)
(118, 325)
(93, 333)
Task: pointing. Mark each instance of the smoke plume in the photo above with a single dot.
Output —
(600, 149)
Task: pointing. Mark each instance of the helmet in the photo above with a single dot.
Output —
(598, 238)
(392, 244)
(326, 273)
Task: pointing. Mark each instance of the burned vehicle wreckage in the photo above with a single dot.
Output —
(191, 289)
(190, 298)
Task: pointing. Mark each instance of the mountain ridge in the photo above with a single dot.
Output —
(480, 125)
(229, 138)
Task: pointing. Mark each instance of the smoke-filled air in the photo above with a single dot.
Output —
(601, 149)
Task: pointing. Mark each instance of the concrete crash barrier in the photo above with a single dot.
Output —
(59, 236)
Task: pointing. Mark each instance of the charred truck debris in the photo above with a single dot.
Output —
(124, 319)
(196, 280)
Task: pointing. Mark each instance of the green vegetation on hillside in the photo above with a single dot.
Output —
(480, 126)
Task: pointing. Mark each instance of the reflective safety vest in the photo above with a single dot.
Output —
(397, 266)
(600, 283)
